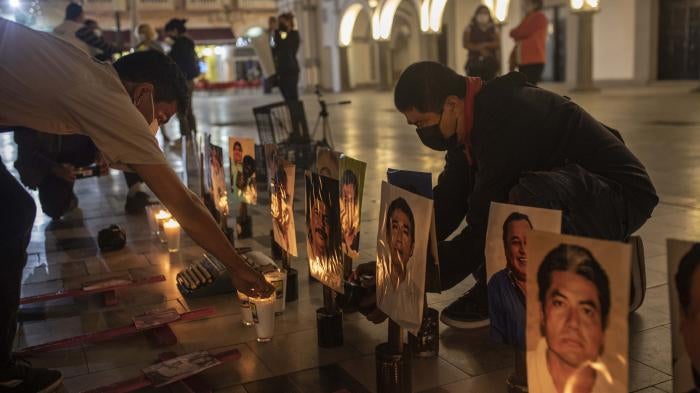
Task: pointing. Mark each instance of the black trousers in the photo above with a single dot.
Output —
(533, 72)
(17, 210)
(591, 206)
(288, 84)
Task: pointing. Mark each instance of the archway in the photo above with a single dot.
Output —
(358, 53)
(405, 40)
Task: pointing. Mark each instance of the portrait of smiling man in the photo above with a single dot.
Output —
(569, 314)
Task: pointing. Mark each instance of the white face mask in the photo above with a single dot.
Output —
(482, 19)
(153, 125)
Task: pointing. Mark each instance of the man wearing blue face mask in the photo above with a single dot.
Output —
(52, 86)
(509, 141)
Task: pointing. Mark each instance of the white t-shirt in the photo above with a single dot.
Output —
(49, 85)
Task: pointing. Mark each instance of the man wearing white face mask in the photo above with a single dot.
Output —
(52, 86)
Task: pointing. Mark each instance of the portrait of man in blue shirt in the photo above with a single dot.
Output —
(507, 287)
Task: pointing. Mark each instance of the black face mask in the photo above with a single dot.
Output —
(431, 136)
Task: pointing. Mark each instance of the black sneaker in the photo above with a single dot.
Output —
(136, 204)
(469, 311)
(20, 377)
(638, 284)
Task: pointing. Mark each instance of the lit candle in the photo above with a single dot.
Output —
(161, 217)
(151, 211)
(223, 205)
(172, 234)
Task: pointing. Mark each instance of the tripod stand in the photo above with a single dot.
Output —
(323, 120)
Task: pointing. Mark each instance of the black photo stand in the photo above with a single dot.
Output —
(517, 381)
(244, 222)
(329, 321)
(292, 291)
(427, 343)
(393, 363)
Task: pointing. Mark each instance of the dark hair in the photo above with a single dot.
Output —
(576, 259)
(73, 11)
(237, 143)
(424, 86)
(325, 190)
(350, 178)
(176, 24)
(151, 66)
(280, 179)
(537, 3)
(90, 23)
(480, 8)
(684, 276)
(248, 167)
(401, 205)
(515, 216)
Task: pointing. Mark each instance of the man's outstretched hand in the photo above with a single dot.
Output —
(250, 282)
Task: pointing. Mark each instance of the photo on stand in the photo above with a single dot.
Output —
(506, 266)
(402, 247)
(206, 165)
(323, 244)
(218, 181)
(241, 153)
(179, 368)
(421, 183)
(282, 207)
(328, 163)
(684, 290)
(352, 182)
(270, 151)
(578, 293)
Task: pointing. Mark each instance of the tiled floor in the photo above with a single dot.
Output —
(661, 124)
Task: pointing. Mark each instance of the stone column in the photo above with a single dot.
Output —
(584, 69)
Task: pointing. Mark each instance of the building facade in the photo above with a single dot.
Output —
(349, 44)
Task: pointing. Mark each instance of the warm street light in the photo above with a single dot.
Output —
(499, 9)
(585, 5)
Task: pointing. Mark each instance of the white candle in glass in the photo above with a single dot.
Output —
(172, 234)
(151, 211)
(161, 217)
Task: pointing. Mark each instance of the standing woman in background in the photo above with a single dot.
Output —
(530, 38)
(286, 45)
(148, 39)
(481, 39)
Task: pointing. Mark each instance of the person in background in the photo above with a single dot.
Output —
(530, 38)
(481, 39)
(183, 54)
(86, 35)
(148, 39)
(47, 162)
(286, 43)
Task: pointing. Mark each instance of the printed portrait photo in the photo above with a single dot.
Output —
(281, 206)
(323, 244)
(218, 181)
(421, 183)
(684, 291)
(328, 163)
(578, 293)
(352, 181)
(506, 266)
(402, 246)
(242, 167)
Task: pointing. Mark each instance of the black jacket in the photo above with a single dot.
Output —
(184, 55)
(520, 128)
(284, 51)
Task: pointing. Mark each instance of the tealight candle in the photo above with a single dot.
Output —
(161, 217)
(172, 234)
